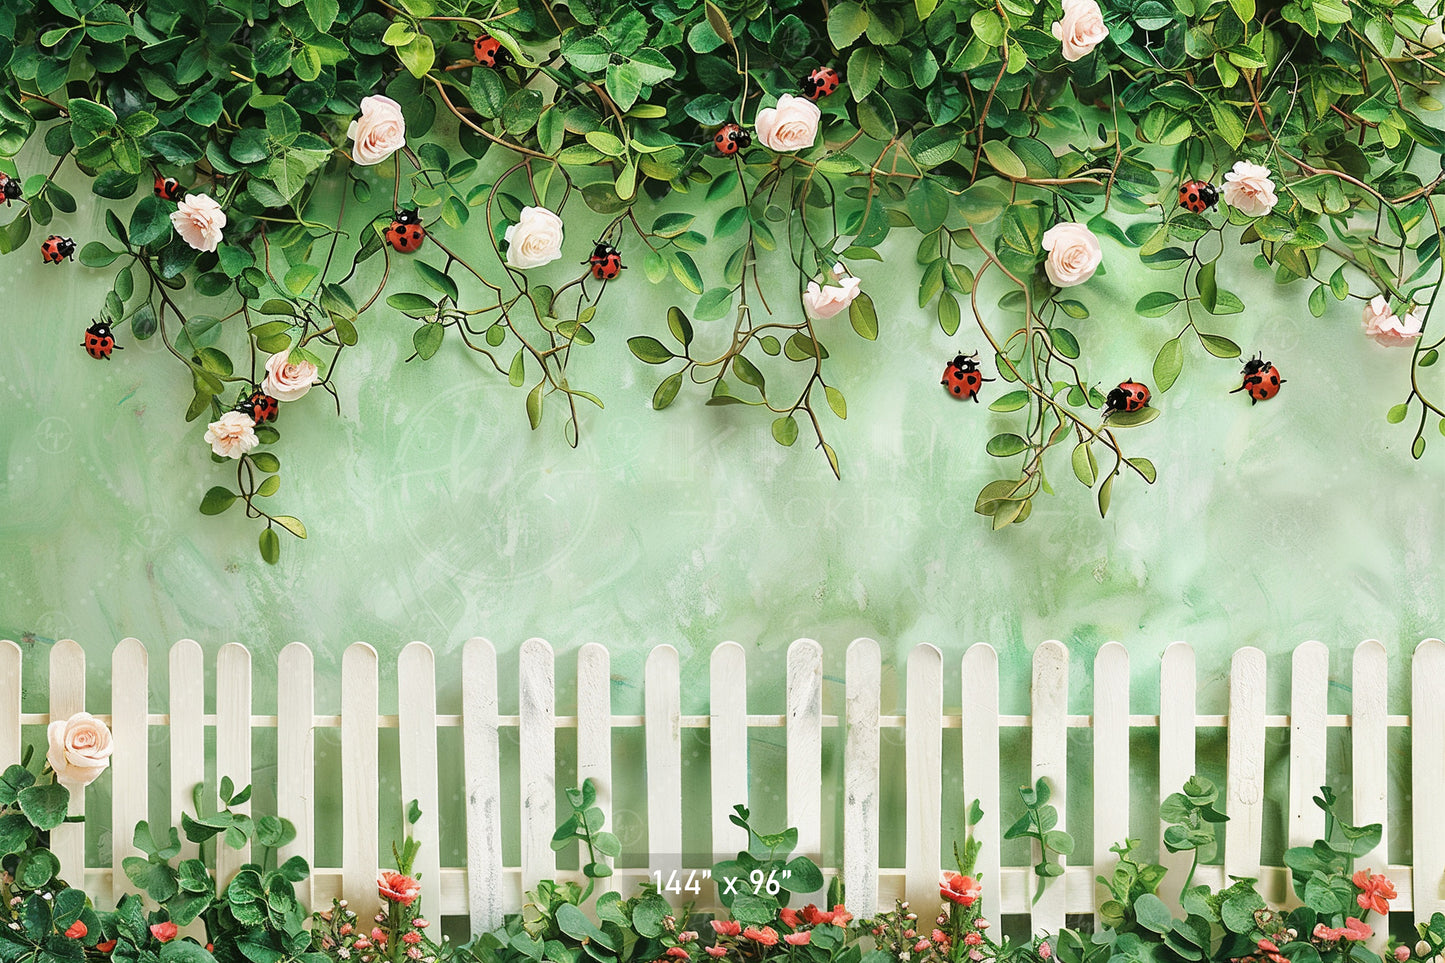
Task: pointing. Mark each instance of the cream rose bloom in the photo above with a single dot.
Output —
(535, 240)
(1074, 253)
(379, 132)
(1082, 28)
(1387, 328)
(791, 125)
(1249, 190)
(198, 219)
(80, 749)
(825, 300)
(233, 435)
(288, 380)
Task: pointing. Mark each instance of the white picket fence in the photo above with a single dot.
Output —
(485, 888)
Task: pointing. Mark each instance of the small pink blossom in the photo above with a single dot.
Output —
(717, 951)
(726, 927)
(799, 939)
(198, 219)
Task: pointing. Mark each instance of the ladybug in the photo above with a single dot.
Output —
(490, 52)
(99, 341)
(820, 83)
(406, 232)
(55, 249)
(1129, 396)
(1198, 196)
(962, 377)
(261, 407)
(9, 189)
(730, 139)
(605, 261)
(169, 189)
(1261, 380)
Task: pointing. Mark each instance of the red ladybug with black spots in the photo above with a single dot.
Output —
(169, 189)
(9, 189)
(490, 52)
(1261, 380)
(821, 82)
(962, 378)
(406, 233)
(1129, 396)
(261, 407)
(1198, 196)
(730, 138)
(99, 341)
(605, 262)
(55, 249)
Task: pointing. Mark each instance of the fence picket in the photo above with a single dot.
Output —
(12, 675)
(728, 733)
(860, 777)
(1177, 693)
(981, 766)
(1427, 758)
(187, 682)
(805, 745)
(1308, 710)
(1370, 759)
(1244, 788)
(1050, 761)
(296, 755)
(1111, 760)
(360, 848)
(481, 755)
(662, 702)
(923, 768)
(67, 697)
(233, 744)
(417, 720)
(129, 763)
(594, 726)
(537, 739)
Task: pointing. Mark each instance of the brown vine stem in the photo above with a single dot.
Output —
(983, 119)
(441, 89)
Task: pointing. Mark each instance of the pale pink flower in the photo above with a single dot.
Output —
(288, 380)
(1386, 328)
(233, 435)
(535, 240)
(379, 132)
(789, 126)
(80, 749)
(826, 300)
(1081, 29)
(1249, 190)
(198, 219)
(1074, 253)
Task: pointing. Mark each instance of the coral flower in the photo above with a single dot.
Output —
(766, 936)
(717, 951)
(77, 930)
(1356, 929)
(726, 927)
(396, 888)
(960, 889)
(1375, 891)
(799, 939)
(789, 916)
(841, 916)
(165, 932)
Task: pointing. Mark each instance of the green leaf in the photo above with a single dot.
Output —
(417, 56)
(863, 317)
(1219, 346)
(291, 524)
(217, 500)
(928, 204)
(1003, 159)
(1133, 419)
(649, 350)
(624, 84)
(785, 430)
(1012, 401)
(846, 23)
(89, 116)
(534, 405)
(1156, 304)
(1005, 444)
(925, 8)
(836, 401)
(685, 270)
(667, 391)
(96, 254)
(1145, 467)
(1168, 363)
(1397, 414)
(748, 373)
(44, 806)
(1086, 466)
(427, 339)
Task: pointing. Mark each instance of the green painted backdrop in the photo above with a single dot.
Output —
(435, 514)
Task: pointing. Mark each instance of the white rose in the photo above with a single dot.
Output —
(198, 219)
(1248, 189)
(233, 435)
(535, 240)
(825, 300)
(79, 750)
(1074, 253)
(379, 132)
(288, 380)
(1386, 328)
(791, 125)
(1082, 28)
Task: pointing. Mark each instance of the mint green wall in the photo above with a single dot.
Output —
(436, 515)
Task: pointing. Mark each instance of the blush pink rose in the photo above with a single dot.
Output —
(379, 132)
(80, 749)
(536, 238)
(791, 125)
(1074, 253)
(1387, 328)
(288, 380)
(825, 300)
(1249, 190)
(198, 219)
(233, 435)
(1081, 29)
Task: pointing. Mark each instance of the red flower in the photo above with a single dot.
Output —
(972, 939)
(726, 927)
(940, 938)
(105, 946)
(1355, 929)
(411, 936)
(677, 952)
(815, 916)
(960, 889)
(396, 888)
(77, 930)
(841, 916)
(766, 936)
(1268, 946)
(717, 951)
(799, 939)
(165, 932)
(789, 916)
(1375, 891)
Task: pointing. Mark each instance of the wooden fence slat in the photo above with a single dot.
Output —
(1427, 773)
(130, 763)
(1244, 783)
(1308, 707)
(923, 768)
(481, 756)
(1050, 692)
(1370, 764)
(187, 682)
(805, 748)
(296, 755)
(662, 703)
(537, 738)
(360, 827)
(594, 726)
(1177, 697)
(861, 754)
(233, 743)
(728, 736)
(981, 766)
(417, 722)
(67, 697)
(1111, 760)
(12, 678)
